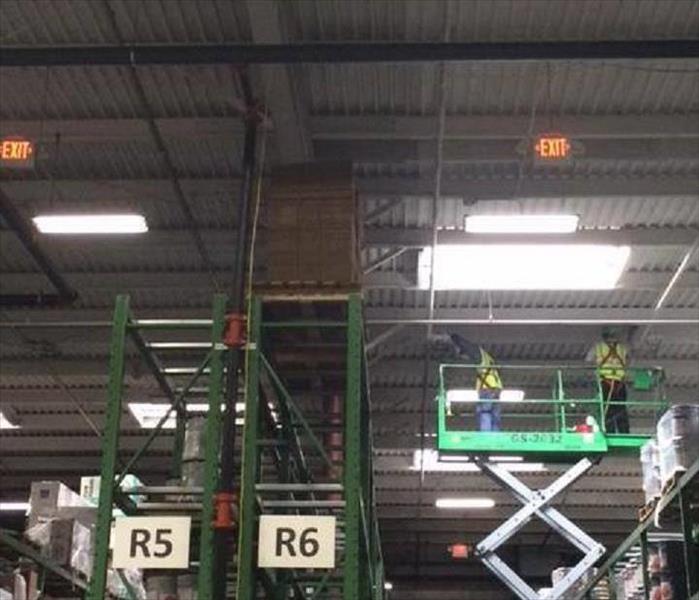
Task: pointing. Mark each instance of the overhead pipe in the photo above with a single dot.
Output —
(345, 52)
(223, 536)
(496, 321)
(435, 321)
(27, 236)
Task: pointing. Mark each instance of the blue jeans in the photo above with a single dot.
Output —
(488, 412)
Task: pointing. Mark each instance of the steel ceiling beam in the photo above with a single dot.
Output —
(531, 316)
(480, 127)
(632, 236)
(345, 52)
(409, 368)
(631, 280)
(364, 127)
(27, 235)
(504, 152)
(496, 187)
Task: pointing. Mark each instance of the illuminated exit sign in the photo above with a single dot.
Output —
(17, 153)
(552, 148)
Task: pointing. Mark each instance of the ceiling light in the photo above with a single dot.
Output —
(14, 506)
(461, 396)
(5, 423)
(521, 223)
(506, 458)
(149, 414)
(523, 267)
(91, 224)
(508, 395)
(464, 503)
(430, 461)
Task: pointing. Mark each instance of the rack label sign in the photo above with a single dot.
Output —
(296, 542)
(151, 542)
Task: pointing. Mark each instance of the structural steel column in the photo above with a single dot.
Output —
(110, 443)
(352, 469)
(211, 451)
(247, 521)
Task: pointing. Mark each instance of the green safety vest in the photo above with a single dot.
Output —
(611, 361)
(487, 377)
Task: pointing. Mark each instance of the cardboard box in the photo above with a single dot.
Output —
(46, 496)
(54, 500)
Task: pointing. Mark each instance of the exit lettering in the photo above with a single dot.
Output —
(16, 150)
(16, 153)
(552, 148)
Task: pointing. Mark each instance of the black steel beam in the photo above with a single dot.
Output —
(27, 236)
(344, 52)
(32, 300)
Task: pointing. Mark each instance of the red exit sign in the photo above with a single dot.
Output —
(552, 148)
(17, 153)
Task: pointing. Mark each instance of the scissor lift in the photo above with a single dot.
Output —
(567, 427)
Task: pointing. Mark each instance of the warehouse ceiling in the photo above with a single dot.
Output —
(166, 141)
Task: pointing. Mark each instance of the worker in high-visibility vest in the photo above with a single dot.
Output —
(611, 357)
(488, 383)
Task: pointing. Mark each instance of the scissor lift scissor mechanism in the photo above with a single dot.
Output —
(537, 503)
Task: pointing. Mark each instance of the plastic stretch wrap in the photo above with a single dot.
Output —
(134, 577)
(192, 473)
(195, 430)
(161, 585)
(650, 467)
(678, 440)
(601, 590)
(187, 587)
(66, 542)
(20, 587)
(81, 552)
(54, 537)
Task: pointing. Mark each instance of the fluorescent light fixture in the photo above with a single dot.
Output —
(464, 503)
(506, 458)
(148, 414)
(91, 224)
(461, 396)
(14, 506)
(5, 423)
(457, 396)
(388, 586)
(507, 395)
(521, 223)
(431, 462)
(523, 266)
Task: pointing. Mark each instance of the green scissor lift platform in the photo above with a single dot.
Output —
(556, 415)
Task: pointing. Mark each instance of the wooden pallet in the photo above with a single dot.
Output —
(672, 482)
(647, 509)
(305, 290)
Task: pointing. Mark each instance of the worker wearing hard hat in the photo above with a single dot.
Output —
(611, 358)
(488, 383)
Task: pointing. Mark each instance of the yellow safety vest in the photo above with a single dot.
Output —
(487, 377)
(611, 361)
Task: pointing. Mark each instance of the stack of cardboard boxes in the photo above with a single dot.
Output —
(61, 522)
(312, 228)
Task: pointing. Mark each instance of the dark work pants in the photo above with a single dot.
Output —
(614, 400)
